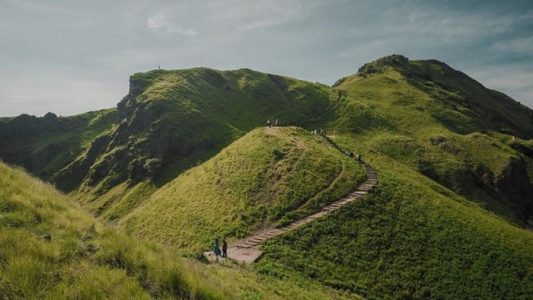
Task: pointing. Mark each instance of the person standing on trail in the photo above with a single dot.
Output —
(224, 248)
(216, 249)
(269, 124)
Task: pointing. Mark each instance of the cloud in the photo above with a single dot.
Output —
(250, 15)
(160, 23)
(516, 46)
(44, 45)
(514, 80)
(23, 97)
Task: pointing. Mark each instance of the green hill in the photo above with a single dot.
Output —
(45, 145)
(446, 126)
(269, 175)
(181, 160)
(51, 249)
(412, 239)
(170, 120)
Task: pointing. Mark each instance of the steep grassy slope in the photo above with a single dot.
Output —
(436, 148)
(50, 249)
(268, 175)
(172, 119)
(45, 145)
(404, 109)
(412, 239)
(169, 121)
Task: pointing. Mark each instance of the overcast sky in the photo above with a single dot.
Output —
(73, 56)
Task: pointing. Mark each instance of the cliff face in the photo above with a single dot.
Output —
(514, 183)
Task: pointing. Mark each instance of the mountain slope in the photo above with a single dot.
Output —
(172, 119)
(411, 239)
(436, 120)
(50, 249)
(45, 145)
(269, 175)
(448, 219)
(426, 232)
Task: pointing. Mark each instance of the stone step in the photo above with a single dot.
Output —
(252, 240)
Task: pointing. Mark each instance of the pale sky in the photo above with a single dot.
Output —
(74, 56)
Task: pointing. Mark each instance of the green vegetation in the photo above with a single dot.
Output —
(50, 249)
(405, 110)
(180, 161)
(411, 239)
(45, 145)
(266, 176)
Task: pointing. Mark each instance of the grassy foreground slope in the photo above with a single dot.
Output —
(50, 249)
(269, 175)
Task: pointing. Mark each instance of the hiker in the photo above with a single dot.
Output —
(216, 249)
(269, 124)
(224, 249)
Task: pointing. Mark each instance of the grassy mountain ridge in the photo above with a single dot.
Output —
(45, 145)
(444, 131)
(171, 119)
(264, 177)
(180, 161)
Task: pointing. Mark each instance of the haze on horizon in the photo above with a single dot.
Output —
(70, 57)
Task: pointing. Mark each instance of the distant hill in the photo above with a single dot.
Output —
(445, 125)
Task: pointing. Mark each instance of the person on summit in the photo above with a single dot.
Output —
(216, 249)
(224, 248)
